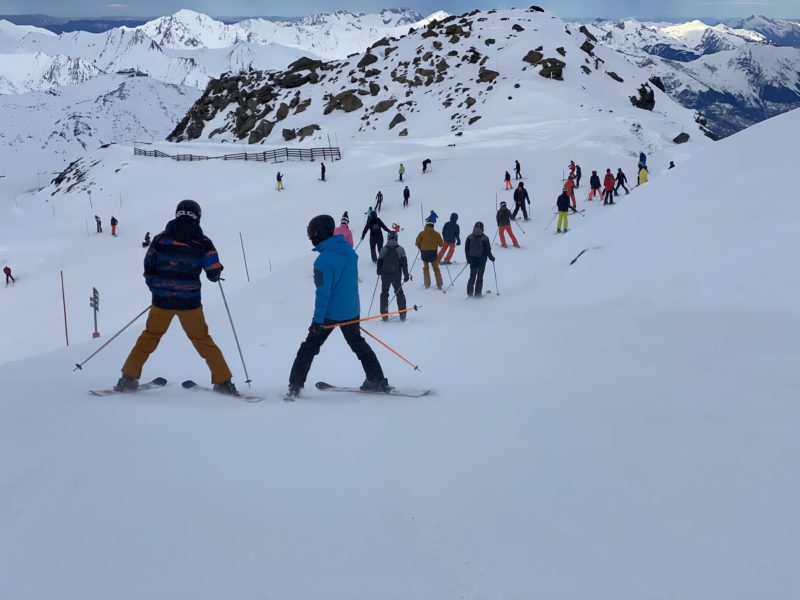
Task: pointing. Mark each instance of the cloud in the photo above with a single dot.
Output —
(116, 6)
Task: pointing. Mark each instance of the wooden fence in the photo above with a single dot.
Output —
(278, 155)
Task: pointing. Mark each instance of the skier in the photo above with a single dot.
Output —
(520, 197)
(114, 224)
(562, 204)
(172, 268)
(671, 165)
(642, 176)
(572, 167)
(642, 160)
(146, 241)
(9, 276)
(433, 217)
(478, 248)
(402, 171)
(392, 263)
(594, 185)
(322, 171)
(378, 201)
(99, 224)
(504, 217)
(507, 179)
(517, 170)
(279, 179)
(429, 241)
(344, 229)
(406, 196)
(608, 187)
(451, 234)
(425, 164)
(621, 181)
(577, 176)
(376, 227)
(569, 185)
(336, 301)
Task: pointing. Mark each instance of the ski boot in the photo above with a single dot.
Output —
(293, 393)
(376, 386)
(126, 384)
(227, 388)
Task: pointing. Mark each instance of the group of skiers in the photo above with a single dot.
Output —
(99, 225)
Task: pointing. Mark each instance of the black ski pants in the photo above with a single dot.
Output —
(375, 246)
(608, 197)
(99, 226)
(475, 281)
(578, 180)
(517, 209)
(620, 184)
(392, 280)
(14, 280)
(313, 343)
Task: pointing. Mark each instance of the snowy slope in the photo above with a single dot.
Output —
(776, 31)
(621, 428)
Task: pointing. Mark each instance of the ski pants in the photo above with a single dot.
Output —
(405, 200)
(508, 184)
(280, 186)
(375, 247)
(571, 195)
(394, 281)
(519, 207)
(378, 204)
(517, 174)
(426, 274)
(622, 185)
(475, 281)
(562, 220)
(99, 226)
(9, 276)
(577, 181)
(313, 343)
(506, 229)
(194, 325)
(446, 253)
(608, 197)
(113, 230)
(401, 176)
(594, 192)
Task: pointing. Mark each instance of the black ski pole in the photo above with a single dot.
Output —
(447, 268)
(518, 225)
(457, 276)
(377, 279)
(79, 366)
(551, 221)
(496, 287)
(235, 337)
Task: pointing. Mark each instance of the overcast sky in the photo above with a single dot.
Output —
(672, 9)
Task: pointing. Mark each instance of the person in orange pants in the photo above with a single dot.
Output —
(114, 224)
(507, 179)
(451, 234)
(504, 225)
(569, 187)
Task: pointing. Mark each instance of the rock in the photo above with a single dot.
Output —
(516, 86)
(646, 99)
(454, 30)
(303, 106)
(442, 66)
(374, 88)
(474, 119)
(587, 33)
(427, 56)
(561, 51)
(367, 60)
(381, 42)
(533, 57)
(283, 112)
(454, 39)
(245, 127)
(470, 101)
(262, 131)
(388, 51)
(535, 9)
(614, 76)
(552, 68)
(384, 105)
(489, 41)
(289, 134)
(430, 33)
(304, 64)
(404, 133)
(348, 101)
(656, 81)
(487, 75)
(586, 69)
(681, 138)
(398, 118)
(307, 131)
(517, 27)
(292, 80)
(588, 47)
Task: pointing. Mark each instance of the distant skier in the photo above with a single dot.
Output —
(507, 180)
(517, 170)
(478, 249)
(504, 217)
(642, 160)
(569, 186)
(520, 198)
(428, 242)
(322, 171)
(146, 241)
(642, 176)
(578, 176)
(279, 179)
(392, 264)
(336, 301)
(406, 196)
(433, 217)
(378, 201)
(114, 224)
(562, 204)
(375, 227)
(172, 268)
(608, 187)
(402, 171)
(572, 168)
(344, 229)
(99, 224)
(671, 165)
(9, 276)
(594, 186)
(425, 164)
(451, 235)
(621, 181)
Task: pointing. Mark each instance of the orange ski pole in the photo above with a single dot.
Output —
(392, 350)
(390, 314)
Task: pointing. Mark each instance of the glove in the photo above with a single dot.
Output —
(491, 258)
(214, 276)
(316, 329)
(406, 278)
(458, 243)
(379, 272)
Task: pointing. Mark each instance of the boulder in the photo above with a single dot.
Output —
(348, 101)
(442, 66)
(474, 119)
(303, 106)
(681, 138)
(656, 81)
(561, 51)
(470, 101)
(403, 133)
(487, 75)
(367, 60)
(282, 112)
(398, 118)
(517, 27)
(614, 76)
(587, 33)
(374, 88)
(646, 99)
(384, 105)
(289, 134)
(552, 68)
(489, 41)
(306, 131)
(260, 132)
(533, 57)
(304, 64)
(588, 47)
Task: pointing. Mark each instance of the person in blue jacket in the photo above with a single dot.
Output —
(337, 301)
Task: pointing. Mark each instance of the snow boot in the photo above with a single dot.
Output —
(376, 386)
(294, 392)
(226, 387)
(558, 231)
(126, 384)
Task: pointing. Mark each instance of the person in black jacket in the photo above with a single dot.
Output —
(578, 175)
(517, 170)
(562, 203)
(322, 171)
(425, 164)
(504, 225)
(478, 249)
(621, 181)
(376, 227)
(594, 185)
(451, 234)
(378, 201)
(520, 198)
(392, 263)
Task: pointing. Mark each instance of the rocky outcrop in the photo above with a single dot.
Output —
(306, 131)
(261, 132)
(681, 138)
(367, 60)
(348, 101)
(487, 75)
(552, 68)
(533, 57)
(646, 99)
(614, 76)
(289, 134)
(398, 118)
(384, 105)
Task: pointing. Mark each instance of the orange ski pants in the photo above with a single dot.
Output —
(448, 249)
(506, 229)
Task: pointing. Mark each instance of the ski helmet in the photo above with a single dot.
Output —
(320, 228)
(188, 208)
(392, 235)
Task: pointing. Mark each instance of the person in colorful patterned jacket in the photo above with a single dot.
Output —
(172, 268)
(344, 229)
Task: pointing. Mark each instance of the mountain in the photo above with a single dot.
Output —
(21, 73)
(775, 31)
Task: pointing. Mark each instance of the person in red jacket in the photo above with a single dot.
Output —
(609, 181)
(9, 277)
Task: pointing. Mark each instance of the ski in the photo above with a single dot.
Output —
(158, 382)
(191, 385)
(405, 393)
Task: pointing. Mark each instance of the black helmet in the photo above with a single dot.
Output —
(392, 235)
(320, 228)
(188, 208)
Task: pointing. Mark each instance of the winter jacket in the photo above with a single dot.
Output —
(374, 226)
(6, 271)
(577, 171)
(621, 177)
(642, 159)
(451, 232)
(344, 231)
(507, 176)
(562, 202)
(406, 193)
(520, 196)
(594, 181)
(174, 261)
(609, 181)
(336, 278)
(478, 248)
(503, 217)
(392, 260)
(433, 217)
(570, 185)
(429, 241)
(114, 222)
(402, 169)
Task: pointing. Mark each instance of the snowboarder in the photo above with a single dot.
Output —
(578, 176)
(322, 171)
(429, 241)
(392, 263)
(279, 179)
(402, 171)
(344, 229)
(507, 179)
(608, 187)
(433, 217)
(9, 276)
(594, 185)
(520, 198)
(642, 176)
(114, 224)
(621, 181)
(562, 204)
(504, 217)
(569, 185)
(172, 268)
(406, 196)
(517, 170)
(146, 241)
(336, 301)
(478, 249)
(642, 160)
(99, 224)
(451, 235)
(376, 227)
(425, 164)
(378, 201)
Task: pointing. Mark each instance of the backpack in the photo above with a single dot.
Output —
(391, 260)
(476, 247)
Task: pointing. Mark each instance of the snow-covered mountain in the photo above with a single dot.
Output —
(20, 73)
(776, 31)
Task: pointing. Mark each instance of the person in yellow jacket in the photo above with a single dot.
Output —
(642, 175)
(429, 241)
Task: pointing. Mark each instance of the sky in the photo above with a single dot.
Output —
(667, 9)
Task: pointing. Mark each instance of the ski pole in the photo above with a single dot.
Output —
(392, 350)
(235, 337)
(551, 221)
(518, 225)
(411, 270)
(79, 366)
(372, 318)
(398, 289)
(357, 245)
(377, 279)
(447, 268)
(457, 276)
(496, 287)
